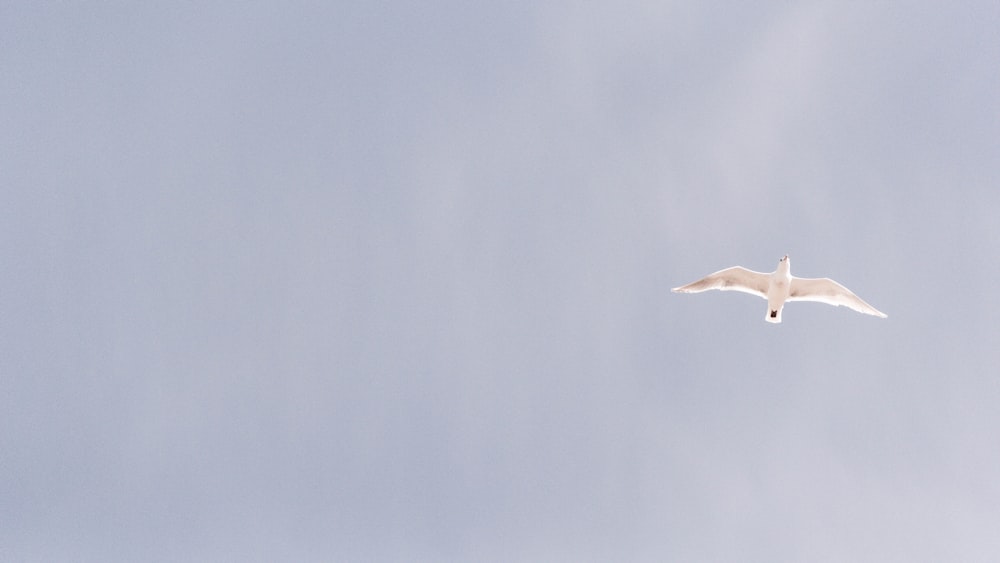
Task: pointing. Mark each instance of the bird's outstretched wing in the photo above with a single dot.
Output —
(825, 290)
(730, 279)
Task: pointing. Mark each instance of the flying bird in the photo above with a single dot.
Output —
(780, 287)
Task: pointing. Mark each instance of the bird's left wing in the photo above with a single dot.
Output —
(730, 279)
(825, 290)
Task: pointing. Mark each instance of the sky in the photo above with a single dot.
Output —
(389, 281)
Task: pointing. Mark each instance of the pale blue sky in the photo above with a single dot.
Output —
(390, 281)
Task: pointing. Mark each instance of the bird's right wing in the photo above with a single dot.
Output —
(730, 279)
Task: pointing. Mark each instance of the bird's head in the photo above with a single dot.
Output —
(784, 263)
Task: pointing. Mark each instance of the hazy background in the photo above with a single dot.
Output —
(384, 281)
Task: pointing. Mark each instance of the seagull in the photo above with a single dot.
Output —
(780, 287)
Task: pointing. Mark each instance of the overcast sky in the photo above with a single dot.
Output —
(384, 281)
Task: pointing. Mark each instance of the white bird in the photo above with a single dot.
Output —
(780, 287)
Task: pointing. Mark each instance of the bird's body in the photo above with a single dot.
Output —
(780, 287)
